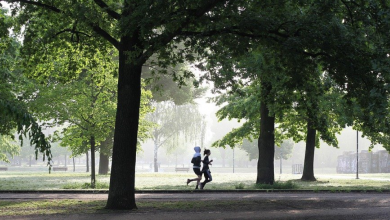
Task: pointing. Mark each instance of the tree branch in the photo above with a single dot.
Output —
(349, 11)
(314, 55)
(105, 35)
(227, 31)
(107, 9)
(72, 31)
(95, 27)
(39, 4)
(166, 37)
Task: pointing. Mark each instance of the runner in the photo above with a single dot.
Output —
(196, 159)
(206, 170)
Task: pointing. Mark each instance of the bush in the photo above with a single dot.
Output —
(85, 186)
(277, 185)
(239, 186)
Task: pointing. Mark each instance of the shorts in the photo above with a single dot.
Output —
(197, 171)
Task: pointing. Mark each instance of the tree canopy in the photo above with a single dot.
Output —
(347, 38)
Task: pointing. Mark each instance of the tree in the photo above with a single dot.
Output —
(64, 27)
(172, 121)
(283, 152)
(139, 30)
(311, 34)
(87, 112)
(14, 114)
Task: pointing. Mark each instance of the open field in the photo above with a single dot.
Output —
(177, 181)
(214, 205)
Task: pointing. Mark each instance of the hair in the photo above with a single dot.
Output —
(206, 151)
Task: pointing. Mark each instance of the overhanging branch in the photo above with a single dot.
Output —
(166, 37)
(105, 35)
(72, 31)
(39, 4)
(107, 9)
(96, 28)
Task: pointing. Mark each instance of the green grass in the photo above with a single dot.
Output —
(177, 181)
(278, 185)
(49, 207)
(68, 207)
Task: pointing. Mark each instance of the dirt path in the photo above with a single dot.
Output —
(237, 206)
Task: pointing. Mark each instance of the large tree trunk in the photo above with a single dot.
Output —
(103, 164)
(93, 165)
(308, 168)
(266, 145)
(122, 181)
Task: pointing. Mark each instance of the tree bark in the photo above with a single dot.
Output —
(105, 153)
(266, 146)
(87, 161)
(103, 164)
(308, 167)
(122, 180)
(93, 165)
(74, 165)
(155, 162)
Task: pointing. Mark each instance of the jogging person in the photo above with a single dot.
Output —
(206, 170)
(196, 160)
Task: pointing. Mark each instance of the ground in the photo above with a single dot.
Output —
(225, 205)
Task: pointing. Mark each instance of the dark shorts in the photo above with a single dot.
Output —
(197, 171)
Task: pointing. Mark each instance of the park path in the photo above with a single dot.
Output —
(299, 205)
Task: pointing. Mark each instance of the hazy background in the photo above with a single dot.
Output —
(224, 159)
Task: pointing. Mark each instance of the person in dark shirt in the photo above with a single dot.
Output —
(196, 159)
(206, 170)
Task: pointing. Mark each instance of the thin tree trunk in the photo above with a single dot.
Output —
(155, 162)
(87, 161)
(281, 164)
(308, 168)
(65, 161)
(93, 179)
(105, 153)
(74, 165)
(122, 180)
(103, 164)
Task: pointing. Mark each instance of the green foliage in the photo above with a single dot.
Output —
(173, 122)
(284, 151)
(166, 86)
(8, 147)
(325, 57)
(85, 111)
(239, 186)
(14, 113)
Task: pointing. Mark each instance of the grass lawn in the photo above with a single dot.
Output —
(160, 181)
(177, 181)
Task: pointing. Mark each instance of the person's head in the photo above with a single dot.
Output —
(207, 152)
(197, 149)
